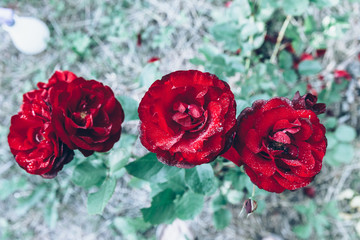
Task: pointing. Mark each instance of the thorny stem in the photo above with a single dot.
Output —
(280, 38)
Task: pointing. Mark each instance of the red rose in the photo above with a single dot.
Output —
(338, 74)
(58, 76)
(281, 143)
(187, 118)
(86, 115)
(32, 140)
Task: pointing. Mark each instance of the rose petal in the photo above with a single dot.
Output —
(264, 182)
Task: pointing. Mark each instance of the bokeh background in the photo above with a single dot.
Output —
(115, 41)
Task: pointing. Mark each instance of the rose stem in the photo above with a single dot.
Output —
(280, 38)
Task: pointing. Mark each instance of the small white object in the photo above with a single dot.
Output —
(29, 35)
(178, 230)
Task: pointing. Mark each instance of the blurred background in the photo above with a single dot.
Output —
(261, 48)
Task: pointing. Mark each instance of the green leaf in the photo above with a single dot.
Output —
(330, 122)
(175, 182)
(303, 231)
(320, 223)
(240, 9)
(331, 140)
(98, 200)
(209, 51)
(222, 218)
(189, 205)
(285, 60)
(129, 106)
(86, 175)
(331, 209)
(325, 3)
(241, 105)
(150, 169)
(197, 61)
(309, 67)
(218, 202)
(309, 24)
(129, 227)
(227, 32)
(345, 133)
(234, 196)
(119, 155)
(295, 7)
(162, 209)
(343, 153)
(81, 43)
(200, 179)
(148, 75)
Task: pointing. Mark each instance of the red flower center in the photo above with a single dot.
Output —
(190, 117)
(280, 143)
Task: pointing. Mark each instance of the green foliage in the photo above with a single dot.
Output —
(98, 200)
(200, 179)
(149, 74)
(294, 7)
(236, 51)
(340, 149)
(162, 208)
(150, 169)
(222, 218)
(309, 67)
(121, 153)
(87, 175)
(219, 64)
(189, 205)
(315, 220)
(129, 106)
(130, 227)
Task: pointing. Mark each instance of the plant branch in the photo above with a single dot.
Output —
(280, 38)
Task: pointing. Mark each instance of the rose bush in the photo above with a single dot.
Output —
(280, 142)
(85, 115)
(32, 140)
(187, 118)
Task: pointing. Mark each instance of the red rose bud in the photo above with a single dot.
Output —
(308, 101)
(320, 52)
(289, 48)
(309, 191)
(139, 40)
(32, 139)
(306, 56)
(342, 74)
(187, 118)
(249, 206)
(153, 59)
(280, 142)
(228, 4)
(86, 115)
